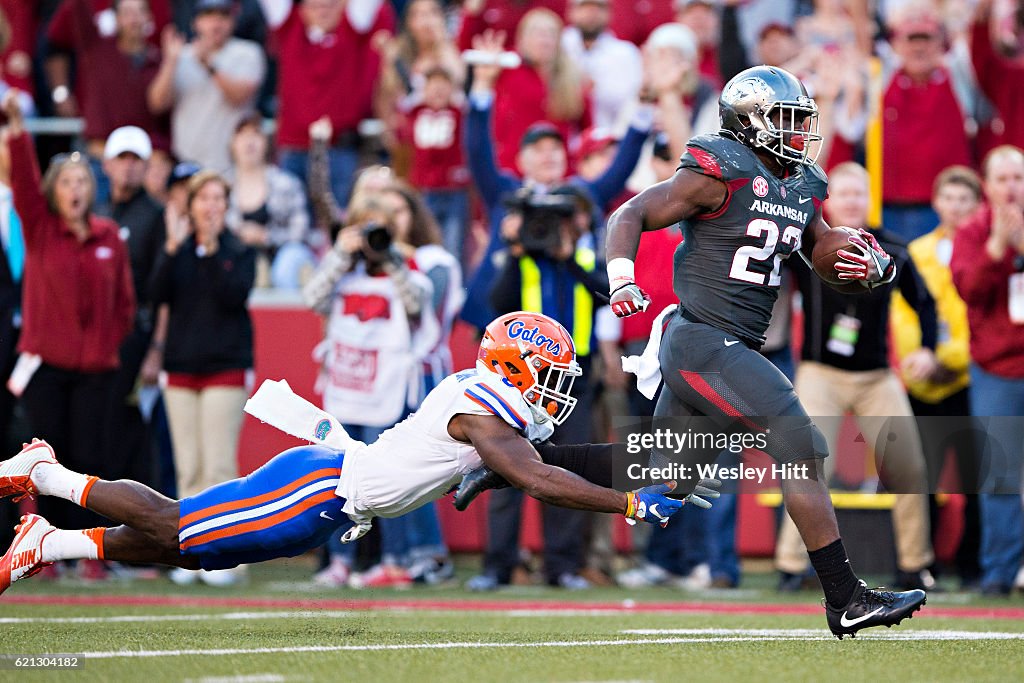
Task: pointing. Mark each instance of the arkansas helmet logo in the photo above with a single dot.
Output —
(760, 186)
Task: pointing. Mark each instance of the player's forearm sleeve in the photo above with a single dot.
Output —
(592, 461)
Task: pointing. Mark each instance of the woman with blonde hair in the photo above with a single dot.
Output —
(547, 86)
(204, 275)
(78, 304)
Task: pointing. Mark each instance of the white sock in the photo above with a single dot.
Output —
(79, 544)
(53, 479)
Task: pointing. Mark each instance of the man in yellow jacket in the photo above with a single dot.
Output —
(944, 393)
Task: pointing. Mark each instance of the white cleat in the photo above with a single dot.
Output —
(25, 556)
(16, 473)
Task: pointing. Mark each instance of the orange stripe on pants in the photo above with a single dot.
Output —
(257, 524)
(256, 500)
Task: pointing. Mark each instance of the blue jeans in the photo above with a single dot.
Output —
(909, 221)
(342, 161)
(1002, 517)
(451, 209)
(287, 266)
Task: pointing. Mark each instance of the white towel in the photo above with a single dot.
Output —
(276, 404)
(646, 366)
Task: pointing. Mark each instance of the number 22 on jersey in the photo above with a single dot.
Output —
(744, 255)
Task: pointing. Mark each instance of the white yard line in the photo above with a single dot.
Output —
(696, 637)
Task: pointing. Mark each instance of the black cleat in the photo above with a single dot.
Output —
(873, 607)
(475, 483)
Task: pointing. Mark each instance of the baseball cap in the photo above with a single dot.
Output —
(181, 172)
(775, 26)
(674, 35)
(917, 25)
(214, 6)
(538, 132)
(128, 139)
(593, 140)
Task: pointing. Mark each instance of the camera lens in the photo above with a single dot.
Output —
(377, 237)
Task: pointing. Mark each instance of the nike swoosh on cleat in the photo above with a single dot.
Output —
(847, 623)
(804, 200)
(326, 516)
(730, 343)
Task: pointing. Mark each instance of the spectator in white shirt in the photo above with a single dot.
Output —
(208, 84)
(614, 66)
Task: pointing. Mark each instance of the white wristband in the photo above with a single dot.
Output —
(620, 272)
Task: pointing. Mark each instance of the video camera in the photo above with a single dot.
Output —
(543, 215)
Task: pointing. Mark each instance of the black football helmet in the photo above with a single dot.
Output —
(748, 107)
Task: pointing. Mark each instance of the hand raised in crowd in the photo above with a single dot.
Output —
(171, 43)
(321, 129)
(664, 72)
(1007, 230)
(485, 75)
(178, 228)
(12, 108)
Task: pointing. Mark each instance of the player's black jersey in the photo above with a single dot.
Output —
(727, 271)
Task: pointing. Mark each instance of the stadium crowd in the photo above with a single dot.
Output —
(402, 164)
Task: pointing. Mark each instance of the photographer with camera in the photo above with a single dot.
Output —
(380, 327)
(542, 158)
(547, 270)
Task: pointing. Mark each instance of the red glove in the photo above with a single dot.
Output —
(629, 299)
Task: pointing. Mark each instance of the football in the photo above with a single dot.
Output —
(824, 255)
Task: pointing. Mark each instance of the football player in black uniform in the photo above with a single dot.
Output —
(748, 197)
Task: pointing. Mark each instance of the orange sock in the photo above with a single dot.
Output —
(90, 480)
(97, 537)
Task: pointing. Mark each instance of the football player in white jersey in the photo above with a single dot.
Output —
(493, 414)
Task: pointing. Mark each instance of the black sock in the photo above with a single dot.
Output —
(835, 573)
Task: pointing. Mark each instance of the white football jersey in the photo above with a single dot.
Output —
(417, 461)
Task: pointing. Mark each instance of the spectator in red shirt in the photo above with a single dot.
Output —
(116, 71)
(988, 271)
(434, 128)
(61, 43)
(547, 86)
(78, 305)
(998, 61)
(634, 21)
(17, 46)
(327, 66)
(923, 124)
(421, 46)
(498, 15)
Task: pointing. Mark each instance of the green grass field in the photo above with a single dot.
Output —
(278, 629)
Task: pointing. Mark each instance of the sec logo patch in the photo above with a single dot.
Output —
(760, 186)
